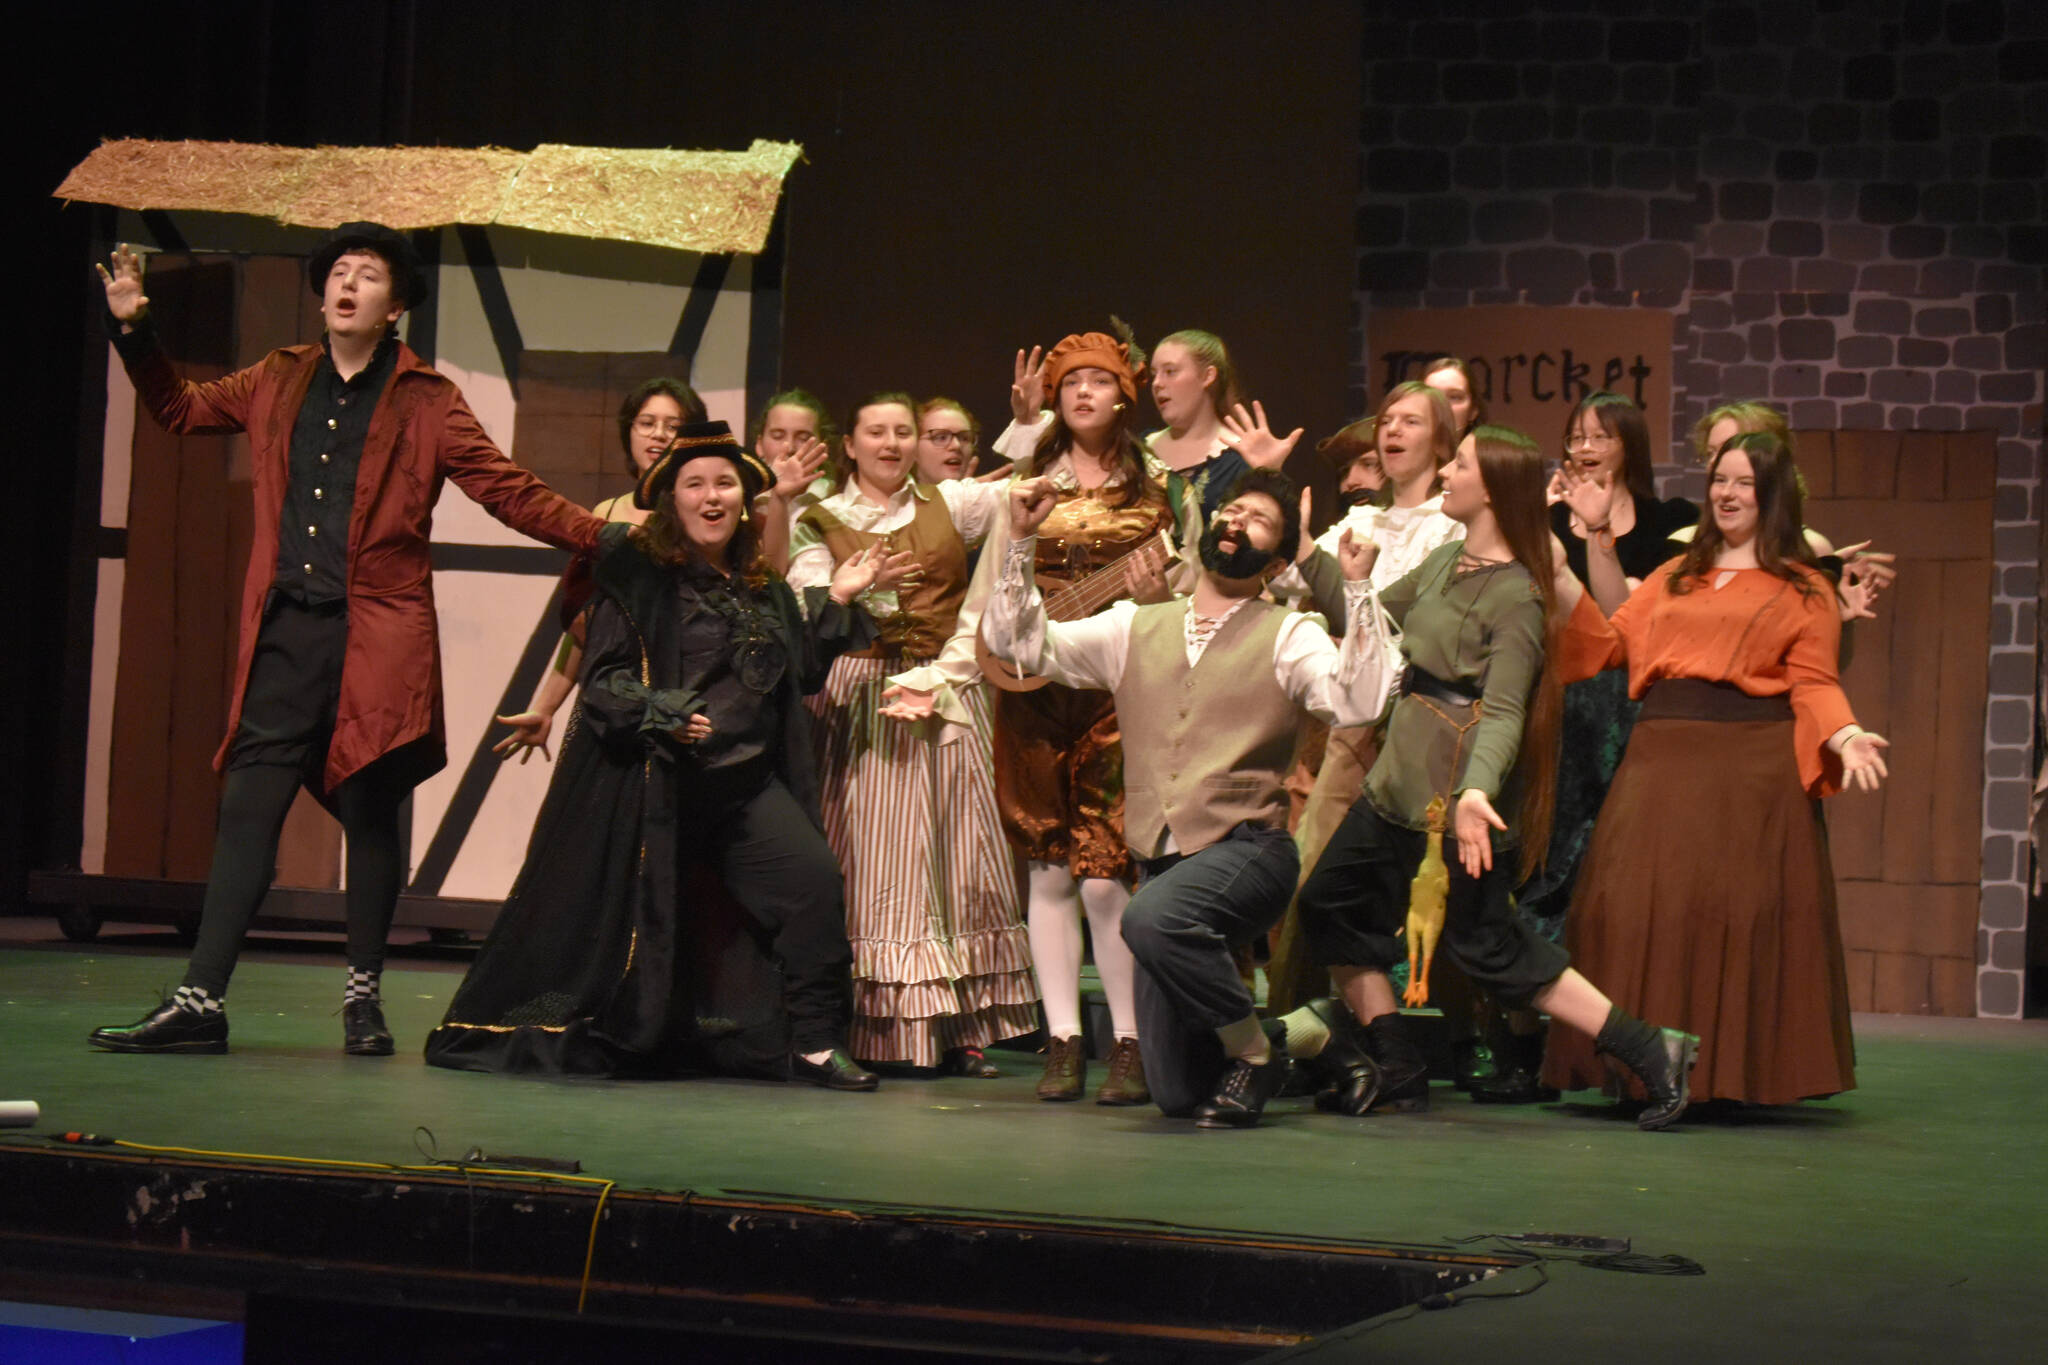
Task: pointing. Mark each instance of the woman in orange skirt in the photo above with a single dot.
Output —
(1706, 898)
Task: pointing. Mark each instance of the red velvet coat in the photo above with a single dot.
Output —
(421, 433)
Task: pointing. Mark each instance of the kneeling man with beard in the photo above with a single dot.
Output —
(1209, 692)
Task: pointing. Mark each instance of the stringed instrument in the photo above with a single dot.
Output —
(1077, 600)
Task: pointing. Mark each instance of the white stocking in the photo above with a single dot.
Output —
(1104, 899)
(1052, 918)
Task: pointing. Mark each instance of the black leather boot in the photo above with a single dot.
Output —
(1393, 1075)
(1661, 1058)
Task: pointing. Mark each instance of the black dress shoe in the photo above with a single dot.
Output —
(1242, 1093)
(362, 1029)
(167, 1029)
(837, 1072)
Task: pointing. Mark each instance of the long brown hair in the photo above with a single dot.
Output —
(1781, 548)
(1058, 440)
(1511, 468)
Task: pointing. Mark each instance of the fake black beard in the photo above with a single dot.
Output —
(1243, 562)
(1355, 497)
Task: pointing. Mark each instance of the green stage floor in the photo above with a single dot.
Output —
(1906, 1220)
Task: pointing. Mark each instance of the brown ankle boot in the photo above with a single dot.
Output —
(1126, 1081)
(1066, 1069)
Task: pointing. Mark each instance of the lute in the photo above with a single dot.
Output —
(1082, 598)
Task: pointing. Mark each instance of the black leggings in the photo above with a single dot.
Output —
(280, 745)
(253, 803)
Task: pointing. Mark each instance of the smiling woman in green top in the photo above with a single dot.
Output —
(1473, 619)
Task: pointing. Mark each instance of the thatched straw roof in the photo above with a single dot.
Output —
(693, 201)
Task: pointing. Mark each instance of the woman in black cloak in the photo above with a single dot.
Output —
(687, 754)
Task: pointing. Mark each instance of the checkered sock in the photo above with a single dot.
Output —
(197, 1000)
(362, 985)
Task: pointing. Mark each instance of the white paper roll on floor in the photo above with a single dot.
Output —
(19, 1113)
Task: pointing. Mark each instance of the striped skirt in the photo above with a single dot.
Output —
(940, 955)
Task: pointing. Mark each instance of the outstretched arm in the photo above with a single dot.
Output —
(531, 727)
(512, 494)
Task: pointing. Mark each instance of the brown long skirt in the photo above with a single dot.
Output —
(1707, 904)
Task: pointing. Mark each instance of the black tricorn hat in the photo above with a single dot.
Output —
(694, 440)
(409, 277)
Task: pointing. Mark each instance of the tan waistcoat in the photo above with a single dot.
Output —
(1205, 748)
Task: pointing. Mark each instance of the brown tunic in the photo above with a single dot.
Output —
(1059, 763)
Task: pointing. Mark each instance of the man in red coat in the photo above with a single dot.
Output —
(338, 671)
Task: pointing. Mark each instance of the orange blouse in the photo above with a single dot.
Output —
(1758, 632)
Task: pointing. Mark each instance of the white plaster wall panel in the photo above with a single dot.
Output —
(112, 578)
(486, 620)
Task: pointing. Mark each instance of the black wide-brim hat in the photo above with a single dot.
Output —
(409, 277)
(694, 441)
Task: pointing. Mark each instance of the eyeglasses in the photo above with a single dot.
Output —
(657, 426)
(963, 439)
(1579, 440)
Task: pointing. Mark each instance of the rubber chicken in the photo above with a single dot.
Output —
(1426, 897)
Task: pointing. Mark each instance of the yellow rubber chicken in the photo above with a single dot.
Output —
(1427, 895)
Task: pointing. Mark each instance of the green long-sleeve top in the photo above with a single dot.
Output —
(1481, 630)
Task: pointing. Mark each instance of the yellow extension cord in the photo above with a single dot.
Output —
(589, 1251)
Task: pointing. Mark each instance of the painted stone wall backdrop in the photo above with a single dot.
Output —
(1840, 202)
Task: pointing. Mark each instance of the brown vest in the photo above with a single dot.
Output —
(1204, 747)
(928, 610)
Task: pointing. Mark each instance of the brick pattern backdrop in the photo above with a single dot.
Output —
(1840, 201)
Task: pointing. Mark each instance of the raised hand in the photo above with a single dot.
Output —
(1308, 544)
(1027, 388)
(125, 299)
(1863, 761)
(796, 468)
(906, 703)
(529, 732)
(1248, 434)
(1356, 555)
(1031, 502)
(1590, 496)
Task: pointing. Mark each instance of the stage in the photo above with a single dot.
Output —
(1902, 1221)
